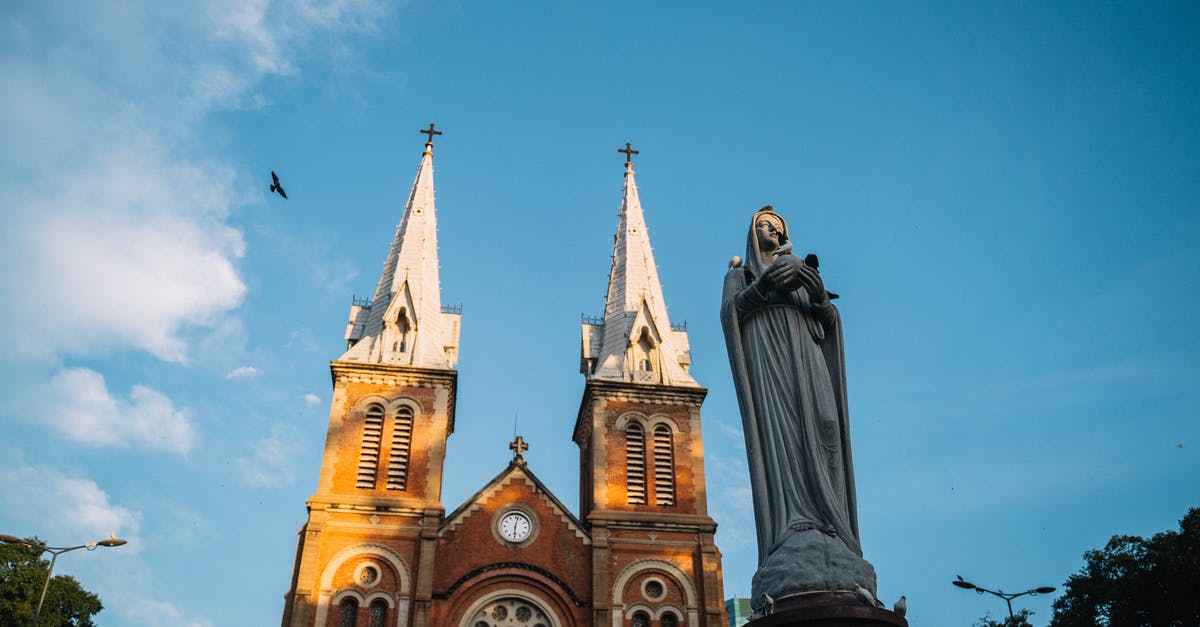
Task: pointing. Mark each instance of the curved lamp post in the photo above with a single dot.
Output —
(56, 551)
(1007, 596)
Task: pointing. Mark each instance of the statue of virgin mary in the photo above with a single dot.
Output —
(784, 338)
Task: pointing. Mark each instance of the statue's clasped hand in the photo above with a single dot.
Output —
(788, 272)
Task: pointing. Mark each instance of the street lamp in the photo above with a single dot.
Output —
(1007, 596)
(111, 541)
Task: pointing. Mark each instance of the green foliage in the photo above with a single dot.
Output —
(1134, 581)
(1019, 619)
(22, 574)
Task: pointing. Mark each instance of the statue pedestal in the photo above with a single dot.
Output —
(834, 608)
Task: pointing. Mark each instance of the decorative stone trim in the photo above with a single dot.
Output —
(384, 374)
(367, 575)
(510, 593)
(489, 494)
(671, 570)
(653, 589)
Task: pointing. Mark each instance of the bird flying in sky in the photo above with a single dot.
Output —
(276, 187)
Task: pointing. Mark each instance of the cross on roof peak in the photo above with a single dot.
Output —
(518, 446)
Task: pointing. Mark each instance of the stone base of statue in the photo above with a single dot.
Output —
(810, 561)
(817, 609)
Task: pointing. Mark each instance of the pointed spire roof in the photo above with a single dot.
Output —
(635, 340)
(404, 323)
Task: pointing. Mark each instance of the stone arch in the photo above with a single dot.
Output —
(469, 616)
(668, 609)
(405, 401)
(326, 594)
(349, 592)
(674, 572)
(622, 421)
(657, 419)
(521, 581)
(366, 401)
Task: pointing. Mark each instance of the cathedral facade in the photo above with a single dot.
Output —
(378, 547)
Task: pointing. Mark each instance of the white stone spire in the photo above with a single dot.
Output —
(635, 341)
(404, 324)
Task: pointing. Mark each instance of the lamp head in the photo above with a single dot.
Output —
(965, 585)
(1044, 590)
(4, 537)
(111, 542)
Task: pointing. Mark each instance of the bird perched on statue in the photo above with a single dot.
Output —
(275, 186)
(865, 596)
(901, 606)
(768, 604)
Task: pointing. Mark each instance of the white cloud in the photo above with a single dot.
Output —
(242, 372)
(312, 399)
(53, 505)
(82, 409)
(116, 208)
(152, 612)
(269, 463)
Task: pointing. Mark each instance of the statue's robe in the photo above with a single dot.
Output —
(786, 357)
(785, 351)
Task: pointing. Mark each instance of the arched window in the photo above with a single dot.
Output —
(635, 464)
(669, 620)
(378, 617)
(348, 612)
(397, 475)
(641, 619)
(664, 466)
(368, 457)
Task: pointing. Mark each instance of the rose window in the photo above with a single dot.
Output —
(510, 612)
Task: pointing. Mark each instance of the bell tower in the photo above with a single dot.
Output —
(367, 548)
(642, 487)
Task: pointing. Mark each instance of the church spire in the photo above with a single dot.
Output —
(404, 323)
(635, 340)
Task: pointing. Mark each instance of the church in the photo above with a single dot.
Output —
(379, 547)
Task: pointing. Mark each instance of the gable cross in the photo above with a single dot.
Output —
(518, 446)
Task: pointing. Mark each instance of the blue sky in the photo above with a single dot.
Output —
(1004, 194)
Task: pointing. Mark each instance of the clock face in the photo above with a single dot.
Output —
(515, 526)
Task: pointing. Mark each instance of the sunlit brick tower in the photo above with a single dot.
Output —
(642, 486)
(368, 546)
(378, 547)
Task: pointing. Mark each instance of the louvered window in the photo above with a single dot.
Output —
(664, 466)
(368, 458)
(635, 463)
(397, 478)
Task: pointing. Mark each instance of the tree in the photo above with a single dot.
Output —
(1018, 619)
(22, 574)
(1134, 581)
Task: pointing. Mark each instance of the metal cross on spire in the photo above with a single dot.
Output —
(518, 446)
(629, 152)
(430, 132)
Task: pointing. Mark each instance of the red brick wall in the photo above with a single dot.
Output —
(614, 441)
(561, 562)
(345, 471)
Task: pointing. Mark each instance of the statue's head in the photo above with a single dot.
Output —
(769, 229)
(768, 234)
